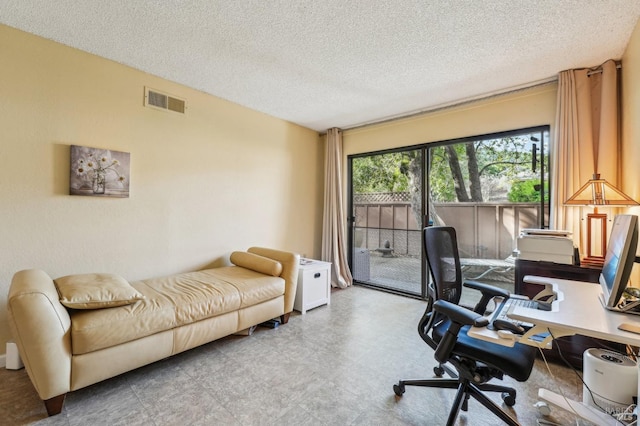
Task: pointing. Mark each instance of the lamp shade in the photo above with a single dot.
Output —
(599, 192)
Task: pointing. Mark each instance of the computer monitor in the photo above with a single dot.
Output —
(619, 259)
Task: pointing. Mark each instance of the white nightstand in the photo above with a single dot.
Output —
(314, 285)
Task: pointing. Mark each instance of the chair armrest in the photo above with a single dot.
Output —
(488, 293)
(458, 317)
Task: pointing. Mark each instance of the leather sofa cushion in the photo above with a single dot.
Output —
(95, 291)
(253, 287)
(171, 302)
(256, 263)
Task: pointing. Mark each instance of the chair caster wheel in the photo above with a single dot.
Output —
(438, 371)
(509, 400)
(398, 389)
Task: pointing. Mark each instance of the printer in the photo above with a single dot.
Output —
(546, 245)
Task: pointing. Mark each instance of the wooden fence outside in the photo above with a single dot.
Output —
(485, 230)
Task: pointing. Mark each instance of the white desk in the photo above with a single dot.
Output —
(578, 310)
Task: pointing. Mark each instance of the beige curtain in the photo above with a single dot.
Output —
(333, 240)
(586, 141)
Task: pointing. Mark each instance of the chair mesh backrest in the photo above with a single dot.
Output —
(444, 262)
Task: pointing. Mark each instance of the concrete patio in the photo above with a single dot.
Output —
(403, 274)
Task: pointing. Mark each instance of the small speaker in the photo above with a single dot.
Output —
(13, 357)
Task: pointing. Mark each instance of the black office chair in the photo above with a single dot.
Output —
(444, 327)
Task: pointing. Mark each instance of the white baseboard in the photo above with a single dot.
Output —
(3, 361)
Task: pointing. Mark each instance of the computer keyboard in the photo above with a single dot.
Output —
(506, 307)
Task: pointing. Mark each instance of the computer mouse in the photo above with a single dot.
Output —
(500, 324)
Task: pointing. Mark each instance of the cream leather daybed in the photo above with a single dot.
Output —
(78, 330)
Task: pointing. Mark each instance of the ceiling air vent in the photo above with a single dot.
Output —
(159, 100)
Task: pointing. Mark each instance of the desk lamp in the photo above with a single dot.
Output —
(598, 193)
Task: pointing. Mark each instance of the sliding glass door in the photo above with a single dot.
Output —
(487, 187)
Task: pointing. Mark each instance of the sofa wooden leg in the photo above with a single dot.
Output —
(285, 318)
(54, 405)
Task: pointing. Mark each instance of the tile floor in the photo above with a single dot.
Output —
(336, 365)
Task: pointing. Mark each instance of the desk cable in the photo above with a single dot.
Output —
(620, 418)
(555, 381)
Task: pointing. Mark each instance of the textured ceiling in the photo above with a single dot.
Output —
(337, 63)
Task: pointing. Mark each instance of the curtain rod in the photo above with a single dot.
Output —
(458, 103)
(598, 70)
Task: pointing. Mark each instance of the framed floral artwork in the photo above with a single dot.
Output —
(99, 172)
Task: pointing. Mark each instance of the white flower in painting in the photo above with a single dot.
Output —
(104, 159)
(81, 170)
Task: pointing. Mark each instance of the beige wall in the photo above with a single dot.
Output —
(528, 108)
(218, 179)
(631, 127)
